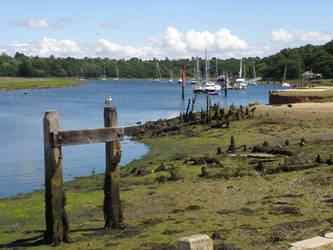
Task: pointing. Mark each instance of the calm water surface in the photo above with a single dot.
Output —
(21, 124)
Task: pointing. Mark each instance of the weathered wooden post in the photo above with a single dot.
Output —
(112, 207)
(56, 228)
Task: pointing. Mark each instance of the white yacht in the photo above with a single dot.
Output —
(253, 82)
(171, 78)
(208, 86)
(223, 81)
(117, 74)
(158, 74)
(240, 82)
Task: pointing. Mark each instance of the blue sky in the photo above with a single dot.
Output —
(147, 28)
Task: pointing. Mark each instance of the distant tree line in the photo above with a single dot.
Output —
(319, 59)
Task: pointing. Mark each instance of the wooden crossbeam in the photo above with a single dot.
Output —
(87, 136)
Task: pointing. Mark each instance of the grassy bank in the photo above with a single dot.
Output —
(16, 83)
(241, 203)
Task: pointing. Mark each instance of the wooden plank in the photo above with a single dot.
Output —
(87, 136)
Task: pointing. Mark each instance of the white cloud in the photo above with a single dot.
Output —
(111, 25)
(49, 46)
(200, 40)
(282, 35)
(32, 22)
(115, 50)
(172, 44)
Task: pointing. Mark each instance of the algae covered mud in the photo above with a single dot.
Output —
(196, 179)
(21, 144)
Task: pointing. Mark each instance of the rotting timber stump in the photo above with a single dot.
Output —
(55, 200)
(56, 229)
(113, 215)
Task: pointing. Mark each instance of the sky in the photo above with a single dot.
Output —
(162, 28)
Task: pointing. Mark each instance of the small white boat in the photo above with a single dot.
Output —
(180, 80)
(253, 82)
(158, 74)
(223, 81)
(117, 74)
(285, 83)
(104, 78)
(240, 83)
(171, 78)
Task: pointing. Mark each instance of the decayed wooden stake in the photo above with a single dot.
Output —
(55, 214)
(112, 206)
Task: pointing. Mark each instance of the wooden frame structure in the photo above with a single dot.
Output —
(55, 200)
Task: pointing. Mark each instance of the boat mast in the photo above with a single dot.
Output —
(254, 71)
(240, 68)
(284, 74)
(158, 70)
(206, 68)
(217, 68)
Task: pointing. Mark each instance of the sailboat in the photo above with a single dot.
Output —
(194, 79)
(240, 81)
(284, 82)
(208, 86)
(197, 88)
(117, 74)
(104, 73)
(223, 80)
(158, 74)
(171, 78)
(253, 82)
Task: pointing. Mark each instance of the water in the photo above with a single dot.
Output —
(21, 124)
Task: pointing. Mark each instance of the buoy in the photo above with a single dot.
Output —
(25, 92)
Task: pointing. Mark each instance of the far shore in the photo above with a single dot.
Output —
(26, 83)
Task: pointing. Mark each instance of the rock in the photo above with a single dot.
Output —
(161, 179)
(195, 242)
(204, 172)
(313, 243)
(253, 104)
(160, 168)
(265, 144)
(287, 142)
(219, 150)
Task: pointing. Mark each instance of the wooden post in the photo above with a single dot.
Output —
(56, 218)
(112, 207)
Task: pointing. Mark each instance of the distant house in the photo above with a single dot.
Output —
(308, 75)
